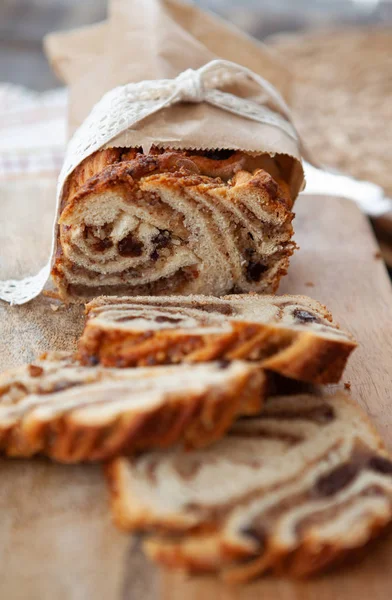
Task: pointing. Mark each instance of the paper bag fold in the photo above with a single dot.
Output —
(156, 39)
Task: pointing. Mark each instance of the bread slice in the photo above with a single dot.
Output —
(292, 491)
(173, 221)
(72, 413)
(292, 335)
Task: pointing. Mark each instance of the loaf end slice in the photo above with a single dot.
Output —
(173, 222)
(293, 491)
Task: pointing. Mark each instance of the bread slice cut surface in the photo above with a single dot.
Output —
(69, 412)
(294, 336)
(173, 221)
(293, 491)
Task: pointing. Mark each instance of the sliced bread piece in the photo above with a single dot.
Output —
(292, 491)
(72, 413)
(292, 335)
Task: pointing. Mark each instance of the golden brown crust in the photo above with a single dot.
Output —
(104, 170)
(296, 355)
(237, 165)
(203, 553)
(39, 413)
(88, 168)
(294, 352)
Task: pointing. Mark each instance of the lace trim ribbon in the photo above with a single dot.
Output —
(123, 107)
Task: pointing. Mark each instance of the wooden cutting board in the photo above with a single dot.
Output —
(56, 538)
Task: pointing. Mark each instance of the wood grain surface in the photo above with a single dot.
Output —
(56, 536)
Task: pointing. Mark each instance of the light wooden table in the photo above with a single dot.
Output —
(56, 538)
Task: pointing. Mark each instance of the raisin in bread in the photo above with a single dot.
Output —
(172, 222)
(71, 413)
(292, 335)
(291, 491)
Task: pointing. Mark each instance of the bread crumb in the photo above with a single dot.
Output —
(347, 385)
(377, 255)
(54, 307)
(309, 284)
(51, 294)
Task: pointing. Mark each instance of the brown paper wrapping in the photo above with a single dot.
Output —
(158, 39)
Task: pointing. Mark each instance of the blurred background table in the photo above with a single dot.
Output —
(23, 23)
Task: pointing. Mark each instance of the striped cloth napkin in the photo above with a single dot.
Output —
(33, 131)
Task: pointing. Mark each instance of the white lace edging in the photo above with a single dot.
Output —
(123, 107)
(20, 291)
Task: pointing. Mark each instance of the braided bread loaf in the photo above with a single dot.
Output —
(292, 335)
(173, 222)
(71, 413)
(291, 491)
